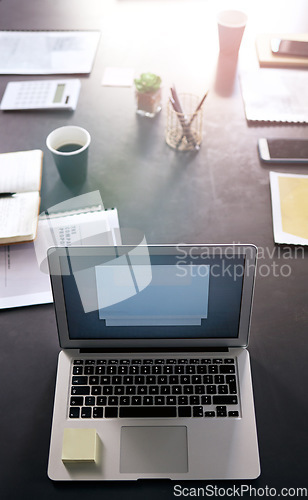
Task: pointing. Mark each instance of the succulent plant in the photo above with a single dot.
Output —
(148, 82)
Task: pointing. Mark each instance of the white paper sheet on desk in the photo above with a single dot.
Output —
(118, 77)
(47, 52)
(290, 208)
(275, 95)
(23, 283)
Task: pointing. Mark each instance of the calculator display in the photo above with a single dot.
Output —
(59, 93)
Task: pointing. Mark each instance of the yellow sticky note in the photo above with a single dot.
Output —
(79, 445)
(293, 193)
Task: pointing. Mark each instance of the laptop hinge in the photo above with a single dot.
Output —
(156, 349)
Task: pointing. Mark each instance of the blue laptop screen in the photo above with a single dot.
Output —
(162, 296)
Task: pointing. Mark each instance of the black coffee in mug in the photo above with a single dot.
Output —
(69, 148)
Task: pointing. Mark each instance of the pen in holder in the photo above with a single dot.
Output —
(184, 129)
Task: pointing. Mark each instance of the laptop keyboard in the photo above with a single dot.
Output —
(154, 388)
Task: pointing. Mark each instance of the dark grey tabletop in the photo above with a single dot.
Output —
(217, 195)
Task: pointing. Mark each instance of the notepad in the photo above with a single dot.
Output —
(275, 95)
(20, 173)
(79, 445)
(290, 208)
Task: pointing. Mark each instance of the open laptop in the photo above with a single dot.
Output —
(154, 375)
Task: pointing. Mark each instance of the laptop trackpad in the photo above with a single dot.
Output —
(154, 449)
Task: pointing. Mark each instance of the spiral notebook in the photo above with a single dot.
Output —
(275, 95)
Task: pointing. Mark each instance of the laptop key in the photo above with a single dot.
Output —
(119, 390)
(98, 412)
(86, 412)
(154, 389)
(80, 390)
(78, 370)
(76, 401)
(209, 414)
(74, 412)
(223, 389)
(136, 400)
(89, 401)
(111, 412)
(148, 400)
(211, 389)
(183, 400)
(194, 361)
(96, 390)
(159, 400)
(225, 400)
(202, 369)
(130, 390)
(100, 401)
(184, 411)
(227, 369)
(111, 369)
(123, 370)
(199, 389)
(197, 411)
(94, 380)
(221, 411)
(81, 380)
(233, 413)
(214, 368)
(206, 400)
(165, 389)
(194, 400)
(147, 411)
(89, 370)
(113, 400)
(176, 389)
(171, 400)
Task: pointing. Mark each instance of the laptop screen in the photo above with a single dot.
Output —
(133, 293)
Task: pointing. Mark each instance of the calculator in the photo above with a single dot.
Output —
(41, 94)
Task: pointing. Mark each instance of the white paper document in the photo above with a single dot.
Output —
(275, 95)
(24, 278)
(47, 52)
(118, 77)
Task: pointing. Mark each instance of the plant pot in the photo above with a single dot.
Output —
(148, 103)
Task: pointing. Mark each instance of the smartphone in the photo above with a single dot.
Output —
(283, 150)
(289, 47)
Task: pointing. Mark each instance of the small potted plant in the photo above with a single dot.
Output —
(148, 94)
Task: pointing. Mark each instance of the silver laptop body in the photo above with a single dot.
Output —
(154, 359)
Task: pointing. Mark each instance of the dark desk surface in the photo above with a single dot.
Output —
(218, 195)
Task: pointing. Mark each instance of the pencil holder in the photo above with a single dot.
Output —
(184, 130)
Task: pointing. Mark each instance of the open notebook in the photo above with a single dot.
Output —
(20, 183)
